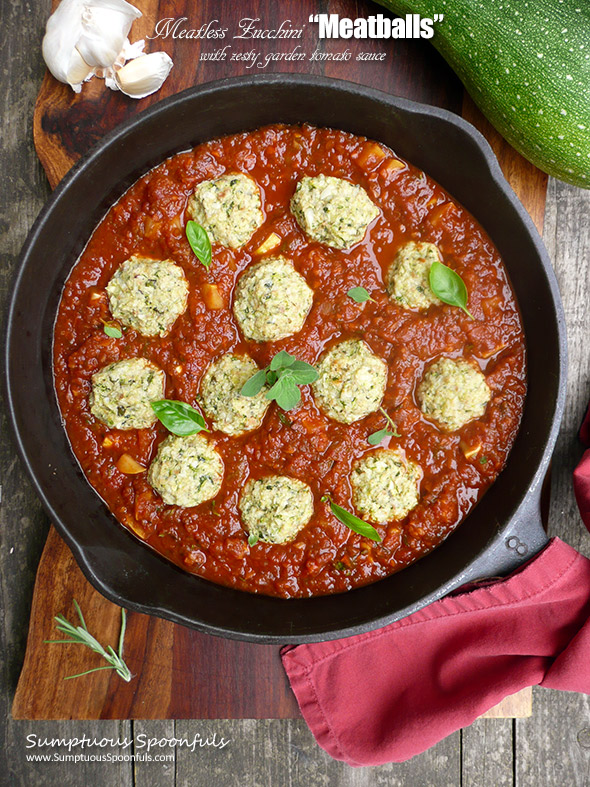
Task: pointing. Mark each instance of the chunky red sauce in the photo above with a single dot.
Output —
(326, 557)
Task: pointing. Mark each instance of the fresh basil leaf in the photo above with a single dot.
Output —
(448, 286)
(352, 522)
(377, 437)
(285, 392)
(253, 539)
(282, 360)
(255, 384)
(199, 242)
(114, 333)
(303, 373)
(284, 374)
(179, 417)
(359, 295)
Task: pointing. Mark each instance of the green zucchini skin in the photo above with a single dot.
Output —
(526, 64)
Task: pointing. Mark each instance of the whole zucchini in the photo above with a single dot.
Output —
(526, 64)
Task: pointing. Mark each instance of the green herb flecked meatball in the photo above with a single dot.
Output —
(408, 276)
(272, 300)
(332, 211)
(452, 393)
(385, 486)
(275, 508)
(351, 381)
(122, 393)
(148, 295)
(228, 208)
(222, 401)
(187, 471)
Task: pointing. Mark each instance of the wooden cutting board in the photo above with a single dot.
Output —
(179, 673)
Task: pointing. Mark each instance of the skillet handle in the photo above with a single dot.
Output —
(524, 538)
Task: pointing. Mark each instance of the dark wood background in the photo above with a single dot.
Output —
(551, 748)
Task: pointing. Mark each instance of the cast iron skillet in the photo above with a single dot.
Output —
(501, 533)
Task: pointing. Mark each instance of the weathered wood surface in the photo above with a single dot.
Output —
(550, 749)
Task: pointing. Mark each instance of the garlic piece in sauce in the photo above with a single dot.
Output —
(86, 38)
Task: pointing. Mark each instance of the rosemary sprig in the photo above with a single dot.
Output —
(80, 635)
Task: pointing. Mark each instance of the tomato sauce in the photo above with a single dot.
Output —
(326, 557)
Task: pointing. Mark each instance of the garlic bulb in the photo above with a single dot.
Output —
(144, 75)
(86, 38)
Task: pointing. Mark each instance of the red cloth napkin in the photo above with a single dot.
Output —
(582, 473)
(389, 694)
(392, 693)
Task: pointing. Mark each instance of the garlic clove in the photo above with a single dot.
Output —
(144, 75)
(105, 27)
(78, 70)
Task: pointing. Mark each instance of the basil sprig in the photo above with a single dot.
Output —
(448, 286)
(360, 295)
(179, 417)
(284, 375)
(199, 242)
(351, 521)
(389, 431)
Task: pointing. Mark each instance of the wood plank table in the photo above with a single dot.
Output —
(550, 748)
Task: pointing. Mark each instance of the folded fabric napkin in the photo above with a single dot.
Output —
(582, 472)
(389, 694)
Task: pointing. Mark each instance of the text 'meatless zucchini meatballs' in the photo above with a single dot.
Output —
(275, 508)
(385, 486)
(408, 280)
(187, 471)
(351, 381)
(452, 393)
(222, 401)
(122, 393)
(272, 300)
(148, 295)
(229, 208)
(332, 211)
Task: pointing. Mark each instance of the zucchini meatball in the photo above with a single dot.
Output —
(222, 401)
(228, 208)
(332, 211)
(122, 394)
(272, 300)
(187, 471)
(275, 508)
(351, 381)
(452, 393)
(148, 295)
(408, 276)
(385, 486)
